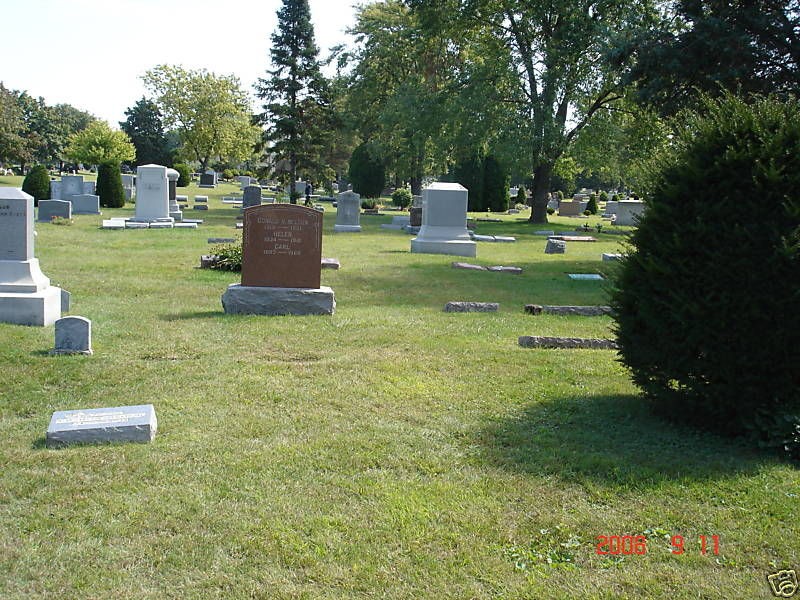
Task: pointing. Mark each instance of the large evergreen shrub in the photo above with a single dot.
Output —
(37, 184)
(496, 180)
(591, 205)
(366, 172)
(184, 175)
(707, 302)
(401, 197)
(109, 185)
(469, 172)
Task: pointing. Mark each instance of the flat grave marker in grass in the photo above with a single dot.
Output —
(98, 425)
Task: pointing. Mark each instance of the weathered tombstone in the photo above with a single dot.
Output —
(73, 336)
(629, 211)
(299, 188)
(26, 296)
(208, 180)
(555, 246)
(252, 196)
(152, 193)
(71, 185)
(348, 212)
(444, 222)
(172, 182)
(571, 209)
(85, 204)
(415, 216)
(98, 425)
(55, 190)
(281, 264)
(53, 208)
(89, 187)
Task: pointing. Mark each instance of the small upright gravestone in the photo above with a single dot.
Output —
(98, 425)
(281, 264)
(444, 222)
(73, 336)
(26, 296)
(252, 196)
(348, 212)
(208, 180)
(53, 208)
(629, 211)
(80, 193)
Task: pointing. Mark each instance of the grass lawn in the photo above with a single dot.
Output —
(391, 450)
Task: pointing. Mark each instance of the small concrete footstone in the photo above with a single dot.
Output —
(102, 425)
(330, 263)
(273, 301)
(555, 246)
(533, 341)
(584, 311)
(471, 307)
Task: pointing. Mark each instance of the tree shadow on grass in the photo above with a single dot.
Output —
(613, 442)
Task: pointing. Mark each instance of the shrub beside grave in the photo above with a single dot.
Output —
(591, 206)
(109, 186)
(401, 197)
(706, 299)
(184, 175)
(37, 184)
(366, 172)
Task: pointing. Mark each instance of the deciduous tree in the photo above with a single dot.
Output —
(210, 113)
(98, 144)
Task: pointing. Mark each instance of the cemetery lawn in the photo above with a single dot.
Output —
(391, 450)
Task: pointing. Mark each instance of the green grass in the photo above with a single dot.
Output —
(391, 450)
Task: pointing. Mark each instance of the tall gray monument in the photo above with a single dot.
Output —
(26, 296)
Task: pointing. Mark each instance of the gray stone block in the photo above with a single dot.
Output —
(99, 425)
(73, 336)
(468, 266)
(53, 208)
(330, 263)
(611, 256)
(471, 307)
(533, 341)
(271, 301)
(555, 246)
(65, 300)
(221, 240)
(502, 269)
(584, 311)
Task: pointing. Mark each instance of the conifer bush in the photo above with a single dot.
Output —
(591, 205)
(184, 175)
(366, 172)
(706, 301)
(109, 185)
(37, 184)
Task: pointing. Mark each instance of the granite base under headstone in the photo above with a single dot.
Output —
(102, 425)
(274, 301)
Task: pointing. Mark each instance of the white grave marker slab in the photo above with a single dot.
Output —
(118, 424)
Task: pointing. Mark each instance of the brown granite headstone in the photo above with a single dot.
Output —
(281, 246)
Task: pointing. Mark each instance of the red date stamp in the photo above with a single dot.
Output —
(637, 544)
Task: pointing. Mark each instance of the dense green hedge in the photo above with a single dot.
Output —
(184, 175)
(707, 303)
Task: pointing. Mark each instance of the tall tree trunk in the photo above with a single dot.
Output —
(541, 187)
(416, 177)
(293, 169)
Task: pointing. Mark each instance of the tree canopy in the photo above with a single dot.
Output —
(145, 128)
(211, 113)
(297, 104)
(99, 144)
